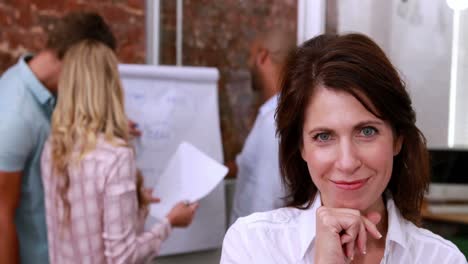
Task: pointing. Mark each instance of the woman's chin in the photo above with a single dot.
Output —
(349, 204)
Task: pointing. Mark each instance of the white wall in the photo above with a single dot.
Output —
(416, 35)
(461, 96)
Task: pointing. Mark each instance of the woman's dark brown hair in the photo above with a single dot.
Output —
(354, 64)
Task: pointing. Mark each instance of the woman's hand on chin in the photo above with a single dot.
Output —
(342, 233)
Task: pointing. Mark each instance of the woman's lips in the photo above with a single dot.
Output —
(350, 185)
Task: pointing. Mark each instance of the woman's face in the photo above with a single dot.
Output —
(349, 151)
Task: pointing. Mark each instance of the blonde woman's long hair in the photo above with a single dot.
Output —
(90, 103)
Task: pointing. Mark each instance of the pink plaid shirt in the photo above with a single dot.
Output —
(105, 226)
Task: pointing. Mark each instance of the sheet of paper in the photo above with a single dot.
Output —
(190, 175)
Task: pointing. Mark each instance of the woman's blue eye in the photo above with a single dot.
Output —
(323, 136)
(368, 131)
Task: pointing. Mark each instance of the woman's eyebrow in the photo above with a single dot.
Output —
(369, 122)
(319, 129)
(358, 125)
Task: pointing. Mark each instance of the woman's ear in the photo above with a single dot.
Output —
(397, 145)
(262, 55)
(301, 148)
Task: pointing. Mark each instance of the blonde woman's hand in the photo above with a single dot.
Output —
(181, 215)
(133, 129)
(342, 233)
(148, 195)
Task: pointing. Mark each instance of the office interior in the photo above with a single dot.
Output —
(426, 40)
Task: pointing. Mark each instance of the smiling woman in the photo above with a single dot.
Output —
(354, 163)
(347, 151)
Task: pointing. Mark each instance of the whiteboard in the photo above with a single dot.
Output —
(170, 105)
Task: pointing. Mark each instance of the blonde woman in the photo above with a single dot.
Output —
(88, 168)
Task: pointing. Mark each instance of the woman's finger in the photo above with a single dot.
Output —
(194, 206)
(154, 200)
(374, 217)
(133, 129)
(361, 241)
(349, 249)
(148, 194)
(345, 238)
(371, 228)
(352, 228)
(353, 225)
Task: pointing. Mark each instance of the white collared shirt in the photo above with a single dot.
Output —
(258, 184)
(287, 235)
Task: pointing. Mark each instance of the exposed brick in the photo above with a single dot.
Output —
(116, 14)
(6, 17)
(24, 24)
(137, 4)
(6, 60)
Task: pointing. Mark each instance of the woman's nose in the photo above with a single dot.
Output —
(348, 159)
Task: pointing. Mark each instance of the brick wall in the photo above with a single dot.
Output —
(23, 24)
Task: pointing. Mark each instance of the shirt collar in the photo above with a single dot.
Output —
(40, 92)
(269, 105)
(307, 225)
(396, 233)
(396, 223)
